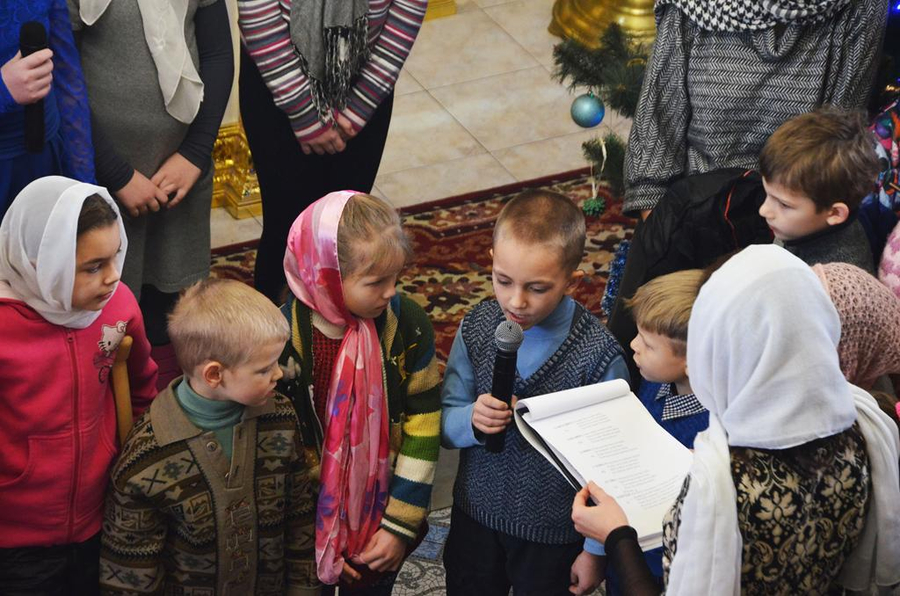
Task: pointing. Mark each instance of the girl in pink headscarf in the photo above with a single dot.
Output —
(362, 373)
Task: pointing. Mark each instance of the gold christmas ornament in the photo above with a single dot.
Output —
(585, 20)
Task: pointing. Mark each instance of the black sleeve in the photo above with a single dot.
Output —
(625, 556)
(113, 171)
(216, 53)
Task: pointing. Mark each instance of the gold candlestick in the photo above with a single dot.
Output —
(585, 20)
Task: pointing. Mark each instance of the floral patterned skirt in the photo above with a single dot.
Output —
(800, 513)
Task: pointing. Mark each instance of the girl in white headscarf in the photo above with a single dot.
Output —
(794, 487)
(63, 314)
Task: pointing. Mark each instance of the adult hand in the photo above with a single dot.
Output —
(587, 572)
(349, 574)
(491, 415)
(28, 79)
(140, 195)
(596, 522)
(176, 175)
(344, 126)
(384, 552)
(329, 142)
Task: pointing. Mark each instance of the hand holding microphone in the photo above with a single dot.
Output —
(28, 78)
(494, 411)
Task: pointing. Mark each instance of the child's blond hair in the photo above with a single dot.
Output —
(663, 305)
(828, 155)
(545, 217)
(223, 320)
(370, 237)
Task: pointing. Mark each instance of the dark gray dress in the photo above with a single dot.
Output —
(169, 249)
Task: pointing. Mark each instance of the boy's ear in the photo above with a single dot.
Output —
(211, 373)
(837, 214)
(575, 279)
(491, 252)
(686, 373)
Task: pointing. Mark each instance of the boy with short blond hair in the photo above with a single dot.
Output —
(662, 309)
(511, 523)
(211, 493)
(816, 169)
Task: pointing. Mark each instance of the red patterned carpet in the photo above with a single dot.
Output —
(450, 271)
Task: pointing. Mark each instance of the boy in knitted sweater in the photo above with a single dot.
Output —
(816, 169)
(511, 524)
(211, 493)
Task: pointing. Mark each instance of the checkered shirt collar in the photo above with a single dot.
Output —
(678, 406)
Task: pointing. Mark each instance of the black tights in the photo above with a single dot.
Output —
(289, 180)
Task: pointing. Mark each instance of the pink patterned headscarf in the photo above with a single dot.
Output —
(354, 472)
(870, 322)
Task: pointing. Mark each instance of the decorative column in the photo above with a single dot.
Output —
(440, 8)
(585, 20)
(235, 186)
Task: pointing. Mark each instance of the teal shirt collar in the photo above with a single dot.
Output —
(207, 414)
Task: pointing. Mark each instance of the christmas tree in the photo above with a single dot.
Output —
(613, 72)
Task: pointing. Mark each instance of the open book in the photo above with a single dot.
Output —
(603, 433)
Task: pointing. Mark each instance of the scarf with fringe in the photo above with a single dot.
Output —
(331, 39)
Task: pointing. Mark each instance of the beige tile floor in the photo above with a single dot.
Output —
(476, 107)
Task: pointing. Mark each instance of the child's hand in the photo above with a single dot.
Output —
(28, 79)
(384, 552)
(491, 415)
(349, 574)
(587, 572)
(176, 175)
(140, 195)
(596, 522)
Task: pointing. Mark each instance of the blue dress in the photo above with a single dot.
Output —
(67, 148)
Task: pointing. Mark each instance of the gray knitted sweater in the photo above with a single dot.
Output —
(844, 243)
(710, 99)
(517, 491)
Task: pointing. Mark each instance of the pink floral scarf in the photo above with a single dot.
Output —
(355, 471)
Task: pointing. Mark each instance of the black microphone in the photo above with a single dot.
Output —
(32, 38)
(509, 337)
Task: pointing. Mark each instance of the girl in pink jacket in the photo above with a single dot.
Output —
(63, 314)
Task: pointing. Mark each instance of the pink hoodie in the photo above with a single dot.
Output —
(58, 419)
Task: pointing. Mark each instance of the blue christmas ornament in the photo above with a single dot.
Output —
(588, 110)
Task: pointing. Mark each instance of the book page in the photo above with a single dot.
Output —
(617, 444)
(542, 406)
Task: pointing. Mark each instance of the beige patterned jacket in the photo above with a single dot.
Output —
(183, 519)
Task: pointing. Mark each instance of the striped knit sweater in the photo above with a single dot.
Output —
(710, 99)
(413, 389)
(181, 518)
(265, 30)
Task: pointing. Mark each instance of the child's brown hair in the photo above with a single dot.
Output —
(828, 155)
(539, 216)
(370, 227)
(663, 305)
(95, 213)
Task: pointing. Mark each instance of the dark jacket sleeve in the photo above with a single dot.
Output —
(626, 557)
(217, 73)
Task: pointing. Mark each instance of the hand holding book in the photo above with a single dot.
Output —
(599, 520)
